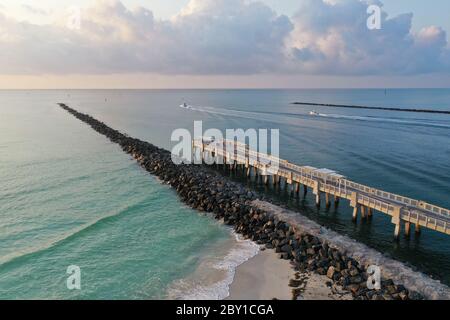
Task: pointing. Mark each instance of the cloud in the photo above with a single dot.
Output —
(222, 37)
(229, 36)
(208, 37)
(333, 38)
(34, 10)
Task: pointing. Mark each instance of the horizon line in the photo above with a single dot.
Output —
(231, 88)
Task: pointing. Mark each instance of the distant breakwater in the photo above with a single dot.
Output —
(370, 108)
(206, 190)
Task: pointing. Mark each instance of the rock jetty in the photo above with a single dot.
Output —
(370, 108)
(204, 189)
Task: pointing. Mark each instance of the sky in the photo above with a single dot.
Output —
(223, 44)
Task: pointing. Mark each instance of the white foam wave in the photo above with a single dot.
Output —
(212, 279)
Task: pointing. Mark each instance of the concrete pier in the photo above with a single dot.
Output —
(403, 210)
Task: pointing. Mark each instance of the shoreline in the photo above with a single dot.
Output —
(214, 275)
(267, 277)
(263, 277)
(206, 190)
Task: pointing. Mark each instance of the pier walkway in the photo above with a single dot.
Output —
(364, 199)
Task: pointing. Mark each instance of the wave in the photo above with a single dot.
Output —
(212, 279)
(29, 252)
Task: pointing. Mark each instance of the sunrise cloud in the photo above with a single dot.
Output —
(222, 37)
(332, 38)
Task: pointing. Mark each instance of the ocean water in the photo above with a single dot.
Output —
(70, 197)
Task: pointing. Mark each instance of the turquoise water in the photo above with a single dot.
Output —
(68, 196)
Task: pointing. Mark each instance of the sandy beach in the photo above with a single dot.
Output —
(266, 277)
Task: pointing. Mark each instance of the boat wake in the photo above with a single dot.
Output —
(262, 116)
(427, 123)
(185, 106)
(281, 117)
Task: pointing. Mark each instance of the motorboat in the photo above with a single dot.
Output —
(313, 113)
(185, 106)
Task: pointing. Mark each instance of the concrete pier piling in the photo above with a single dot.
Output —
(397, 232)
(417, 229)
(396, 220)
(275, 179)
(363, 212)
(316, 191)
(336, 201)
(327, 200)
(355, 213)
(362, 198)
(407, 229)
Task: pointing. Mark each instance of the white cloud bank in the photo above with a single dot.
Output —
(220, 37)
(334, 39)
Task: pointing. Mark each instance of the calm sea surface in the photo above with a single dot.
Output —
(70, 197)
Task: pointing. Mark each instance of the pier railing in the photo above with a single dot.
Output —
(324, 181)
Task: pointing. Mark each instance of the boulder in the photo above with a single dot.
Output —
(330, 273)
(286, 248)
